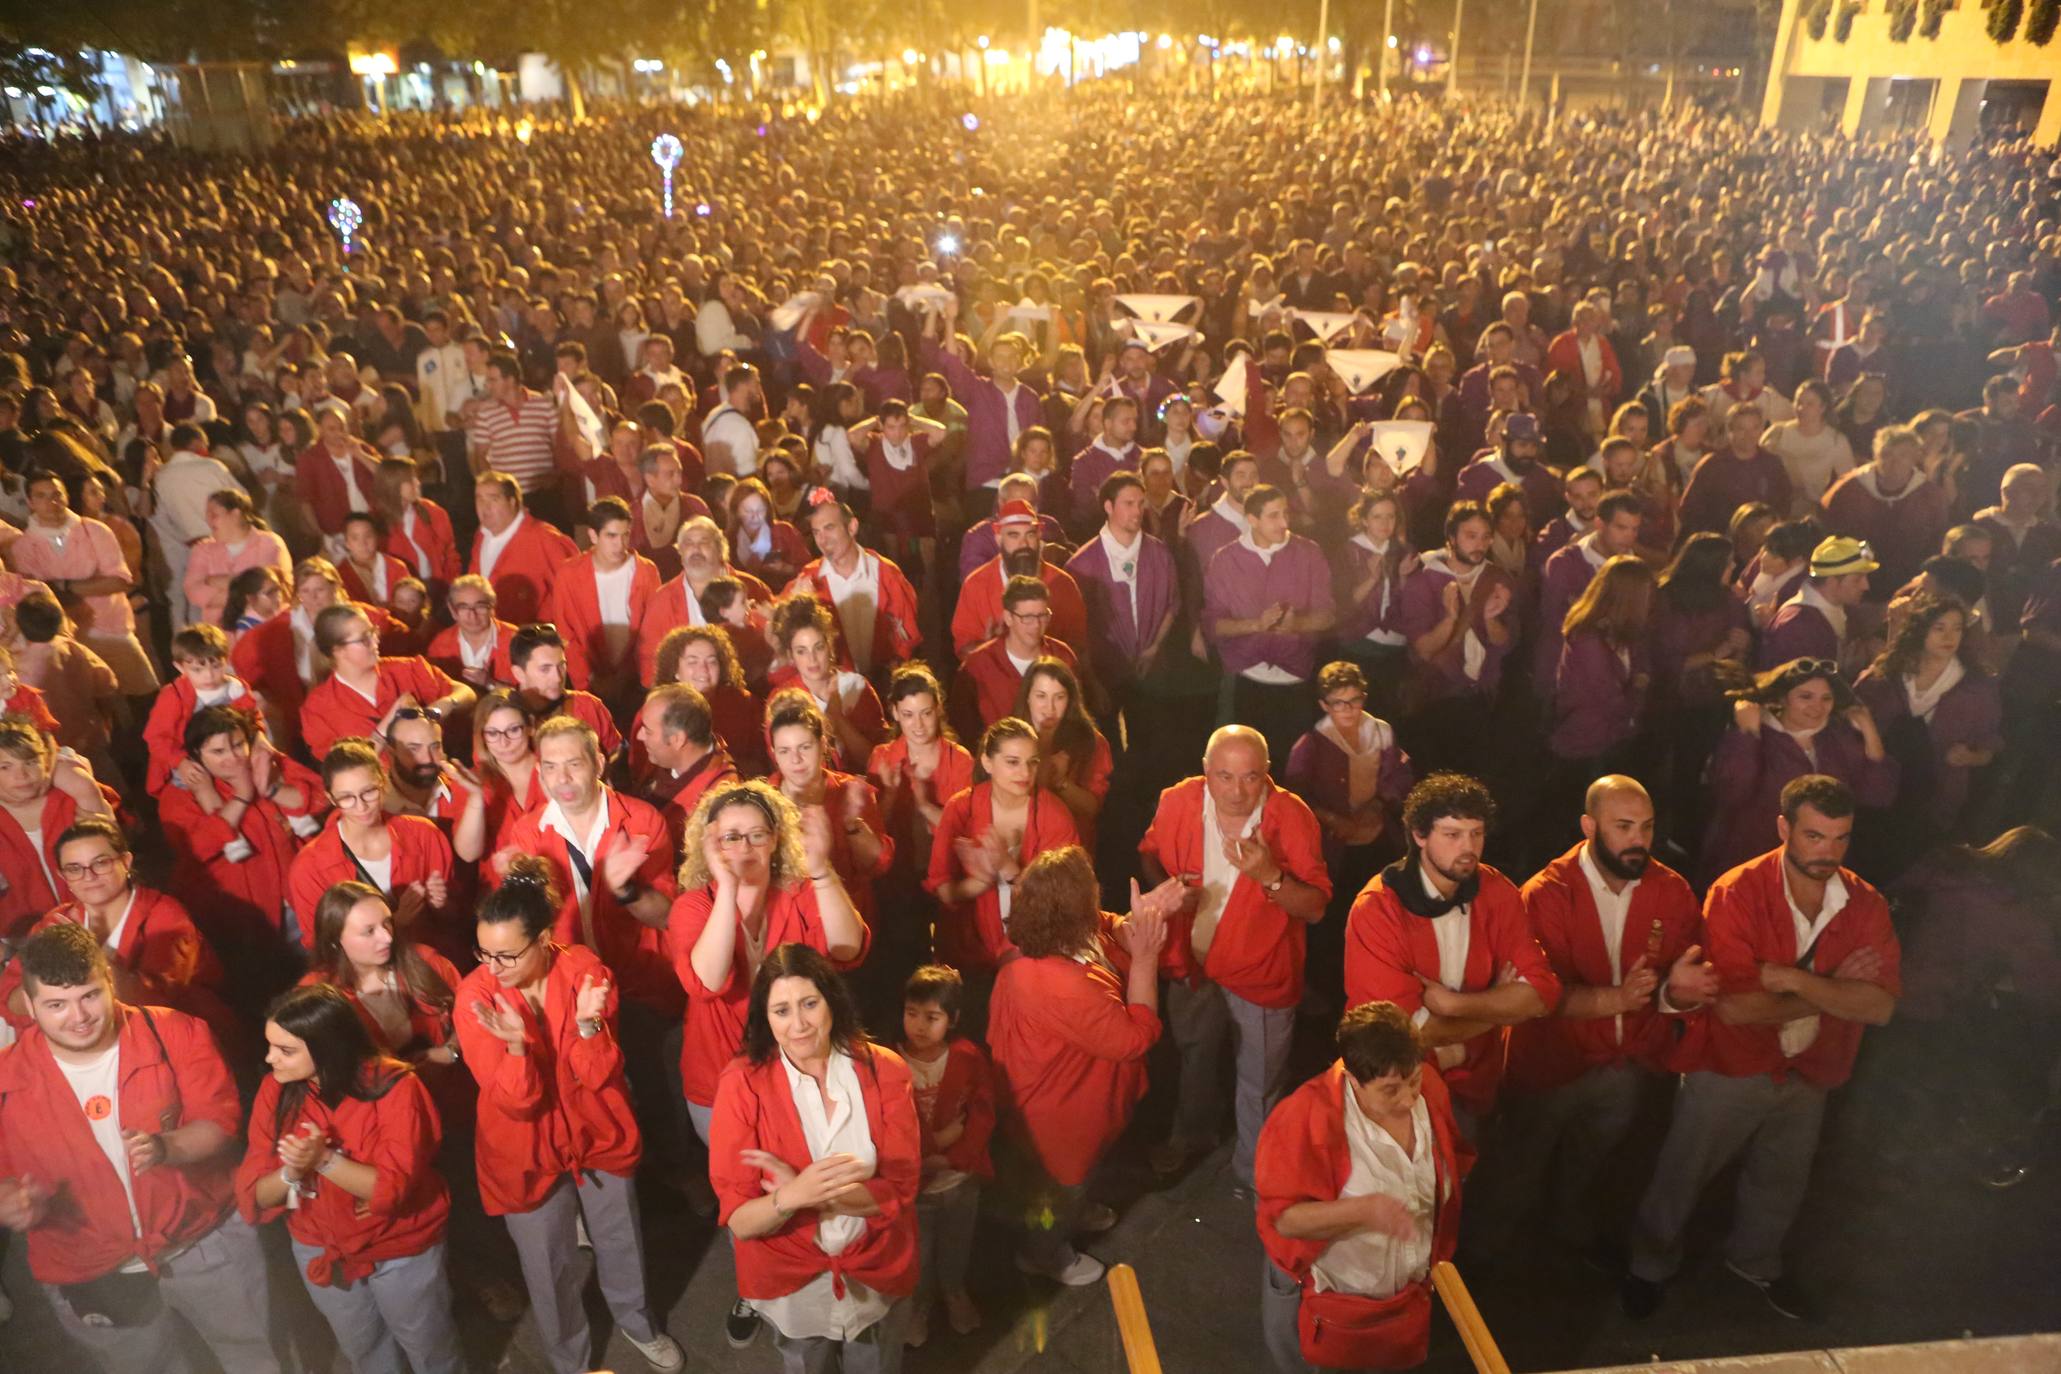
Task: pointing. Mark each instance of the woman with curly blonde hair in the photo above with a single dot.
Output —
(757, 875)
(703, 657)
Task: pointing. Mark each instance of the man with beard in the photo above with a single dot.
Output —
(1456, 615)
(704, 557)
(1516, 461)
(979, 616)
(537, 662)
(1620, 930)
(421, 781)
(1445, 937)
(1805, 958)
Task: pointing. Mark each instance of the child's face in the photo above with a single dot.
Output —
(925, 1025)
(361, 541)
(204, 674)
(407, 600)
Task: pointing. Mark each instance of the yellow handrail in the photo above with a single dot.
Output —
(1474, 1332)
(1131, 1322)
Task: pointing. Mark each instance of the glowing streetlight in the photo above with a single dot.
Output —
(666, 151)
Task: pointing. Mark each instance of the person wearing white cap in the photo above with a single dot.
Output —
(1674, 380)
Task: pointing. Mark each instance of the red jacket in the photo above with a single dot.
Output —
(1663, 922)
(321, 487)
(164, 733)
(333, 711)
(160, 948)
(980, 606)
(419, 851)
(1564, 355)
(864, 713)
(1387, 947)
(433, 542)
(715, 1017)
(954, 774)
(575, 607)
(674, 797)
(264, 658)
(985, 690)
(667, 610)
(527, 569)
(447, 655)
(28, 701)
(968, 1090)
(896, 633)
(429, 1025)
(1070, 1055)
(1747, 922)
(787, 550)
(562, 1107)
(396, 1133)
(754, 1110)
(171, 1076)
(358, 589)
(633, 951)
(33, 884)
(239, 901)
(586, 708)
(1304, 1157)
(1257, 951)
(971, 936)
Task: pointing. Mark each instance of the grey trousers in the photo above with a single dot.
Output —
(944, 1238)
(1716, 1118)
(1555, 1144)
(218, 1286)
(876, 1350)
(1280, 1310)
(395, 1320)
(1200, 1019)
(546, 1240)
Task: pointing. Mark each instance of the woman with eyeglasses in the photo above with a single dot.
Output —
(1795, 719)
(363, 690)
(816, 1156)
(406, 859)
(279, 658)
(342, 1144)
(557, 1141)
(803, 635)
(860, 850)
(504, 752)
(1073, 756)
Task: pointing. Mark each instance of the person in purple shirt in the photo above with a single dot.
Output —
(1225, 520)
(1459, 617)
(1568, 574)
(1796, 719)
(1370, 569)
(1129, 585)
(1473, 398)
(1812, 623)
(979, 544)
(1600, 681)
(1145, 388)
(1267, 599)
(1777, 569)
(1114, 450)
(1581, 489)
(1517, 460)
(1729, 477)
(998, 408)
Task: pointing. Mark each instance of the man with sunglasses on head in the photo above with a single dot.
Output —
(542, 667)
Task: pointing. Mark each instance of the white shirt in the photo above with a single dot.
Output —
(1807, 594)
(492, 545)
(35, 839)
(926, 1078)
(1611, 910)
(481, 657)
(439, 376)
(183, 486)
(1123, 566)
(1454, 933)
(1219, 874)
(347, 468)
(554, 818)
(113, 943)
(408, 529)
(612, 591)
(381, 871)
(727, 425)
(97, 1086)
(1798, 1035)
(1369, 1263)
(857, 599)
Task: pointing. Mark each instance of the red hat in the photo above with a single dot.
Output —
(1018, 512)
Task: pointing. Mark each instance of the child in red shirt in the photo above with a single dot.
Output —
(955, 1103)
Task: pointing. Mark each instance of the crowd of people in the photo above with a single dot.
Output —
(545, 693)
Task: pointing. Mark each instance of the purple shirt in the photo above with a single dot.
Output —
(1482, 476)
(1091, 467)
(1749, 771)
(1240, 584)
(988, 451)
(1797, 631)
(1596, 698)
(1320, 773)
(1970, 713)
(1424, 610)
(1381, 608)
(1567, 575)
(1115, 636)
(1723, 482)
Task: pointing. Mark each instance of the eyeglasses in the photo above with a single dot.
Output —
(500, 959)
(1344, 703)
(99, 868)
(1036, 617)
(428, 713)
(360, 639)
(754, 839)
(470, 607)
(368, 800)
(504, 734)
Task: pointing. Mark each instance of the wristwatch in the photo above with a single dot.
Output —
(1280, 877)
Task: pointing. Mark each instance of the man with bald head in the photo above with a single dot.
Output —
(1252, 858)
(1621, 931)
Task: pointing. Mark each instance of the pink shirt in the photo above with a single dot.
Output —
(82, 549)
(212, 558)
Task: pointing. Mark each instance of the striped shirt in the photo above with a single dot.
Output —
(520, 439)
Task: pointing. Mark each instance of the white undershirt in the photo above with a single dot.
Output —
(35, 838)
(857, 599)
(1454, 933)
(612, 591)
(347, 468)
(1800, 1034)
(481, 657)
(1219, 874)
(102, 1078)
(382, 871)
(491, 545)
(1367, 1262)
(1611, 910)
(554, 818)
(927, 1076)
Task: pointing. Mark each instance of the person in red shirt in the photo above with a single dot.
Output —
(874, 605)
(514, 550)
(1359, 1196)
(418, 530)
(704, 557)
(117, 1135)
(600, 596)
(369, 573)
(804, 635)
(342, 1144)
(1621, 930)
(278, 658)
(42, 791)
(990, 673)
(405, 858)
(404, 992)
(1074, 760)
(557, 1140)
(541, 667)
(860, 850)
(916, 772)
(1072, 1021)
(1806, 959)
(1445, 937)
(704, 658)
(363, 690)
(978, 616)
(955, 1104)
(820, 1199)
(473, 648)
(1249, 860)
(200, 653)
(673, 757)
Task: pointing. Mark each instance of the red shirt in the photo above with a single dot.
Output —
(391, 571)
(430, 550)
(966, 1090)
(160, 948)
(754, 1110)
(1257, 950)
(171, 1076)
(1747, 921)
(1070, 1052)
(586, 708)
(396, 1133)
(527, 568)
(333, 711)
(953, 775)
(897, 634)
(33, 884)
(1387, 947)
(239, 900)
(979, 614)
(563, 1106)
(971, 936)
(1661, 924)
(419, 852)
(668, 609)
(28, 701)
(715, 1017)
(446, 654)
(985, 690)
(164, 733)
(575, 607)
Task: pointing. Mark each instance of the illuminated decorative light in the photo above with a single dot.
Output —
(666, 151)
(374, 64)
(1392, 41)
(345, 217)
(1164, 42)
(970, 121)
(947, 243)
(525, 130)
(1424, 57)
(982, 40)
(704, 210)
(910, 57)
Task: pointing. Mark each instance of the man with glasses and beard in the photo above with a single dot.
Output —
(1444, 936)
(979, 616)
(1805, 958)
(1620, 930)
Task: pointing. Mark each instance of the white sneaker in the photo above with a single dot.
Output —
(660, 1352)
(1084, 1270)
